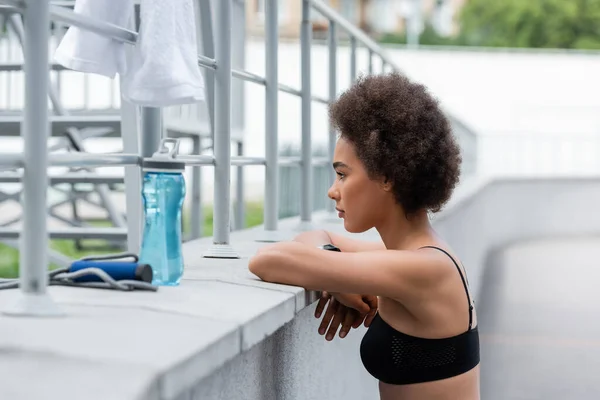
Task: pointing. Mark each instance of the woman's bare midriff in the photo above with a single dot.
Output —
(463, 387)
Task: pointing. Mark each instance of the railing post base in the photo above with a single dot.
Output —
(221, 251)
(33, 305)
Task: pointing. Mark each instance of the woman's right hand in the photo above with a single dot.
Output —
(347, 310)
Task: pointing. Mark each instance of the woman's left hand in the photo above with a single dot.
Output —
(344, 314)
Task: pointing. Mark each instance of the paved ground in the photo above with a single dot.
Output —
(539, 321)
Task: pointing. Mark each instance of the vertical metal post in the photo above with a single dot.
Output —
(133, 183)
(9, 75)
(306, 156)
(151, 130)
(352, 59)
(151, 134)
(33, 246)
(222, 141)
(238, 61)
(130, 134)
(371, 62)
(271, 206)
(222, 138)
(240, 212)
(332, 44)
(208, 48)
(197, 219)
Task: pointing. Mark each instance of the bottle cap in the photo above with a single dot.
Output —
(164, 159)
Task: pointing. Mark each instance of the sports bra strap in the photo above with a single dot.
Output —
(462, 277)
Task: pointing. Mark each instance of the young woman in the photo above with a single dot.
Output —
(396, 161)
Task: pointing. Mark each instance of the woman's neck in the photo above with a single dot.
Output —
(401, 233)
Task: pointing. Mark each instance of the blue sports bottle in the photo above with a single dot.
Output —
(163, 192)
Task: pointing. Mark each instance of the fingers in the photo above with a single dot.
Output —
(370, 317)
(329, 313)
(358, 320)
(372, 302)
(321, 304)
(349, 319)
(337, 314)
(362, 308)
(338, 318)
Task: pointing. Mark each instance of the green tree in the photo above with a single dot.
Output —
(572, 24)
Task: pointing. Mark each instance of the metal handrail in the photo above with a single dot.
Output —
(15, 161)
(16, 66)
(72, 233)
(290, 90)
(71, 177)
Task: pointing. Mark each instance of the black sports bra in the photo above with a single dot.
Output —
(397, 358)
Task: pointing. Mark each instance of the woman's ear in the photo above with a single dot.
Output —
(385, 184)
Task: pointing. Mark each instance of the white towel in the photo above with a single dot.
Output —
(164, 69)
(85, 51)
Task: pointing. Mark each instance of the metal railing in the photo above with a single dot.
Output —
(35, 158)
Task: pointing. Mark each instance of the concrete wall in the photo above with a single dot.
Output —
(510, 210)
(296, 363)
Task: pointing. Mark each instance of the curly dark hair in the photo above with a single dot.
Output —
(400, 134)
